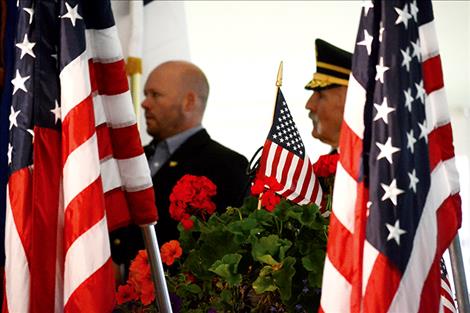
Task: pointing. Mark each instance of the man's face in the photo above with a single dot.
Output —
(326, 111)
(163, 103)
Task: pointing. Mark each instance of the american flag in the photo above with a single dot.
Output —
(447, 297)
(396, 203)
(284, 158)
(77, 164)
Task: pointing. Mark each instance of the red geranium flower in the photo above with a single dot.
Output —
(192, 196)
(126, 293)
(171, 251)
(269, 200)
(326, 165)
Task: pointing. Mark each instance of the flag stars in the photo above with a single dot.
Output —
(414, 10)
(395, 231)
(383, 110)
(391, 191)
(413, 180)
(30, 11)
(408, 98)
(420, 92)
(56, 111)
(416, 49)
(366, 42)
(424, 131)
(10, 152)
(18, 82)
(367, 4)
(406, 58)
(381, 31)
(386, 150)
(403, 16)
(72, 14)
(14, 117)
(26, 47)
(411, 141)
(381, 69)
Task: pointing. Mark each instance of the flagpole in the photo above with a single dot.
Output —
(458, 272)
(156, 266)
(278, 85)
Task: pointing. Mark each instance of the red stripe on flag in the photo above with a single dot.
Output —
(74, 130)
(85, 299)
(351, 143)
(105, 147)
(382, 285)
(439, 148)
(449, 220)
(142, 204)
(101, 74)
(117, 210)
(432, 74)
(275, 163)
(430, 295)
(84, 211)
(124, 144)
(339, 239)
(264, 157)
(46, 195)
(286, 168)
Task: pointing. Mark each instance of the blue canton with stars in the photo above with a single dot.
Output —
(283, 130)
(396, 169)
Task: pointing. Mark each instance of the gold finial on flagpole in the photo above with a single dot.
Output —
(279, 76)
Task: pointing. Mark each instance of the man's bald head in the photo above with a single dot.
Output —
(176, 94)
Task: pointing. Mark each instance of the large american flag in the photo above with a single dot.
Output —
(77, 164)
(396, 203)
(284, 158)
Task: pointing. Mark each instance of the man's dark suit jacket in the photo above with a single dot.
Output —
(201, 156)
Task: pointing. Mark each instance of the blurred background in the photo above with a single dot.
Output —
(239, 45)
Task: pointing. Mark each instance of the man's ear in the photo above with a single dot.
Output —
(189, 102)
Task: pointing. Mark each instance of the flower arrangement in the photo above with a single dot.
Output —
(266, 256)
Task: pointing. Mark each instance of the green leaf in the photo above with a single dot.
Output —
(267, 249)
(193, 288)
(265, 281)
(283, 278)
(311, 261)
(227, 268)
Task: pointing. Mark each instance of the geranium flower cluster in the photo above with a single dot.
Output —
(192, 196)
(326, 165)
(139, 286)
(265, 188)
(170, 252)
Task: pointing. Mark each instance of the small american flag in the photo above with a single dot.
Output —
(76, 161)
(396, 203)
(447, 297)
(284, 158)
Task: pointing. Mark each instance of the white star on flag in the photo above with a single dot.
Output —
(391, 191)
(414, 10)
(18, 82)
(367, 4)
(413, 180)
(406, 58)
(386, 150)
(416, 49)
(56, 111)
(13, 117)
(420, 92)
(408, 98)
(366, 42)
(30, 11)
(411, 141)
(383, 110)
(403, 16)
(424, 131)
(10, 152)
(381, 69)
(72, 14)
(395, 231)
(26, 47)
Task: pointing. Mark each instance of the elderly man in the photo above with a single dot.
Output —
(329, 86)
(176, 94)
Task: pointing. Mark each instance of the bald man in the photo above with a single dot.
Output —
(176, 94)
